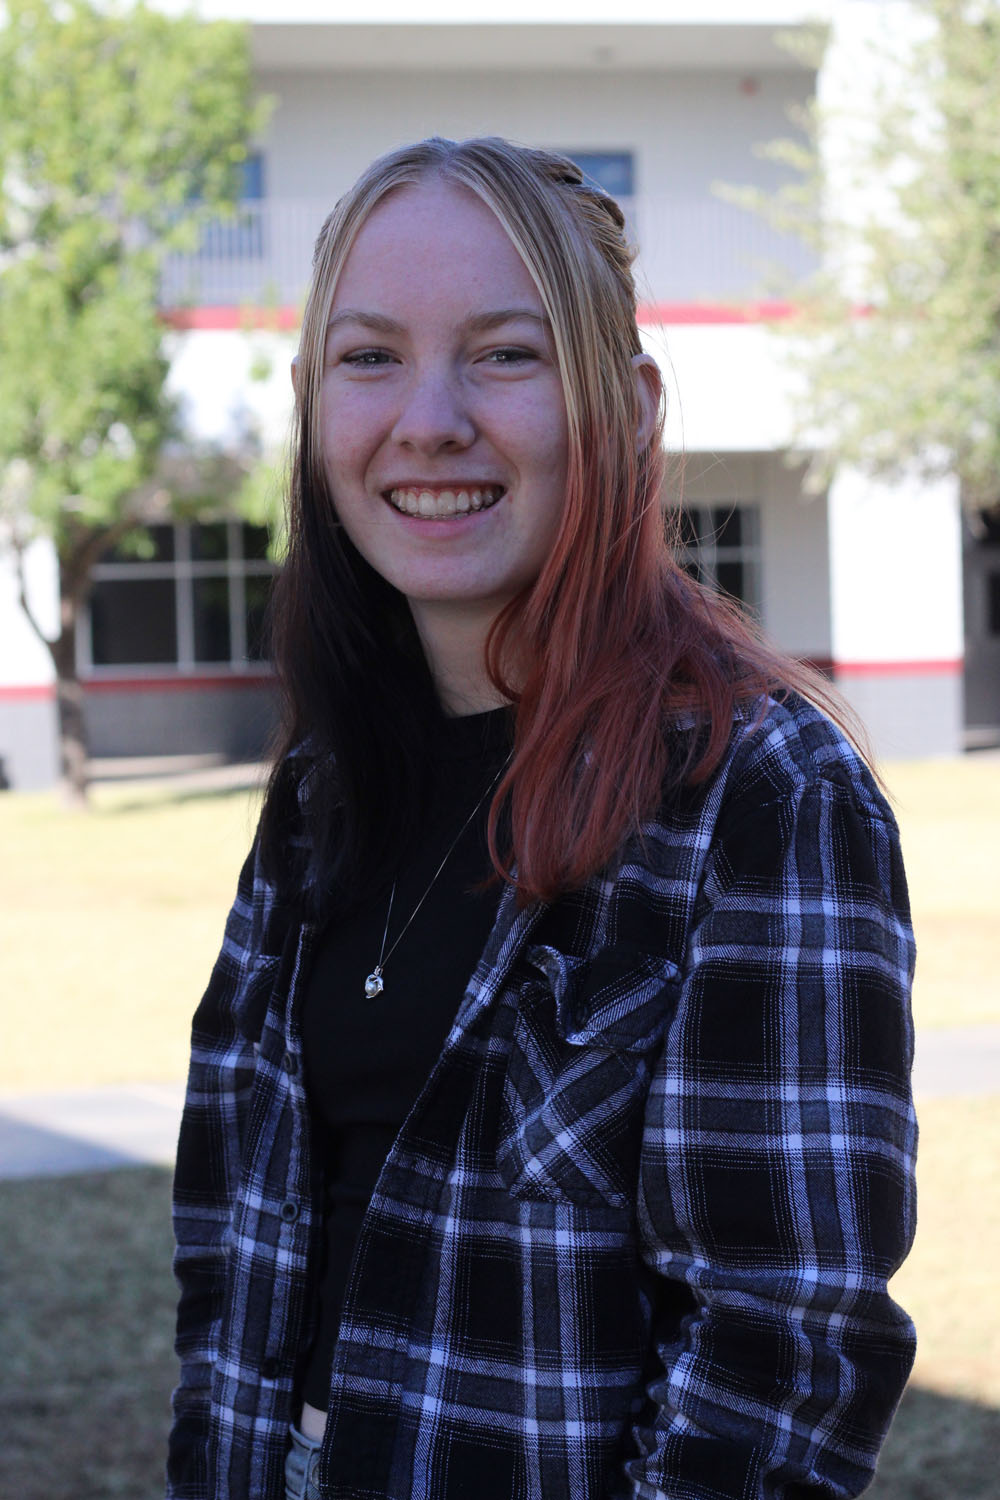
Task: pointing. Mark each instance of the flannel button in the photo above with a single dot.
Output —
(290, 1063)
(289, 1211)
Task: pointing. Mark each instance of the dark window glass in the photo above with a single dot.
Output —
(688, 528)
(252, 185)
(993, 587)
(729, 576)
(258, 591)
(727, 524)
(211, 619)
(133, 622)
(210, 542)
(255, 543)
(610, 170)
(156, 546)
(985, 528)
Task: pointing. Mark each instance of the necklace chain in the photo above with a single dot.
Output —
(375, 984)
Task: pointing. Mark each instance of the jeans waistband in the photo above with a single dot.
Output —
(300, 1467)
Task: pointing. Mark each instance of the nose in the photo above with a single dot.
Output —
(433, 416)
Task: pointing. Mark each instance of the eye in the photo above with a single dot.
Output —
(366, 359)
(511, 354)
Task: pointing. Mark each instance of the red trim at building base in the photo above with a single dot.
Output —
(45, 691)
(951, 667)
(27, 692)
(177, 684)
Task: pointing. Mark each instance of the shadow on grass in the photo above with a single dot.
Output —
(87, 1307)
(940, 1448)
(177, 796)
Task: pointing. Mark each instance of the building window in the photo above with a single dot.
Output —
(720, 546)
(613, 171)
(194, 600)
(993, 603)
(242, 236)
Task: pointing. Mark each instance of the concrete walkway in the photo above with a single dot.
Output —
(86, 1130)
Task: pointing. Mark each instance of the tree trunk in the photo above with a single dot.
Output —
(74, 779)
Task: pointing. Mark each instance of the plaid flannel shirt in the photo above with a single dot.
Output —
(633, 1238)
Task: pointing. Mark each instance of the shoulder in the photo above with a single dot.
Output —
(790, 786)
(782, 751)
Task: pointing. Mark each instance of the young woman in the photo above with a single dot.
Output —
(548, 1133)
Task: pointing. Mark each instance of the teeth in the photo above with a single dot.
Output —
(444, 503)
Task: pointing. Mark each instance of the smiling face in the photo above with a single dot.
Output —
(442, 420)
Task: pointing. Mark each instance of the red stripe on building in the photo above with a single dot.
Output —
(286, 319)
(714, 312)
(234, 319)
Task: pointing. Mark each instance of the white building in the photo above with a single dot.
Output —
(660, 103)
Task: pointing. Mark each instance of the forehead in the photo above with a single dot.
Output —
(432, 240)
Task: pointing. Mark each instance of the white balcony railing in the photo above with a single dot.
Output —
(691, 250)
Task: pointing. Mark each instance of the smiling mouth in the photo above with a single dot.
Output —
(441, 505)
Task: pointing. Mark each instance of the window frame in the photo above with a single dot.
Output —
(704, 555)
(183, 570)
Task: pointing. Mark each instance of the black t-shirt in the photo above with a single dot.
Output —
(367, 1060)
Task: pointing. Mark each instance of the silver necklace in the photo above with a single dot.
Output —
(375, 984)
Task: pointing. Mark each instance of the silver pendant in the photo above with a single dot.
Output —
(373, 984)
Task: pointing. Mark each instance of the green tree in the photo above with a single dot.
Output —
(121, 131)
(897, 335)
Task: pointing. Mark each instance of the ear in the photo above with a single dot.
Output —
(649, 394)
(295, 376)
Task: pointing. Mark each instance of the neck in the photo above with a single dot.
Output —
(454, 643)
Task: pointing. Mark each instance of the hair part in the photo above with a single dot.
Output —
(600, 656)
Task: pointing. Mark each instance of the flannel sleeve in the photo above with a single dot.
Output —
(205, 1182)
(777, 1170)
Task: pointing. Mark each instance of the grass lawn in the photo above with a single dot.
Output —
(949, 818)
(110, 920)
(87, 1303)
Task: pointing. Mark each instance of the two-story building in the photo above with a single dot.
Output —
(659, 103)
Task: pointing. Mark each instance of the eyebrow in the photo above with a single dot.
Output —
(479, 323)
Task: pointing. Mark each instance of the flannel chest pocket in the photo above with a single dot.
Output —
(585, 1039)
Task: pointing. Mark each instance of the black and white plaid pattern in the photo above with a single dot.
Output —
(634, 1238)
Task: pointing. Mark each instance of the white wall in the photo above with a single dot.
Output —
(24, 661)
(687, 129)
(896, 570)
(222, 401)
(728, 387)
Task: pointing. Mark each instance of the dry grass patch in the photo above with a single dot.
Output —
(949, 817)
(110, 921)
